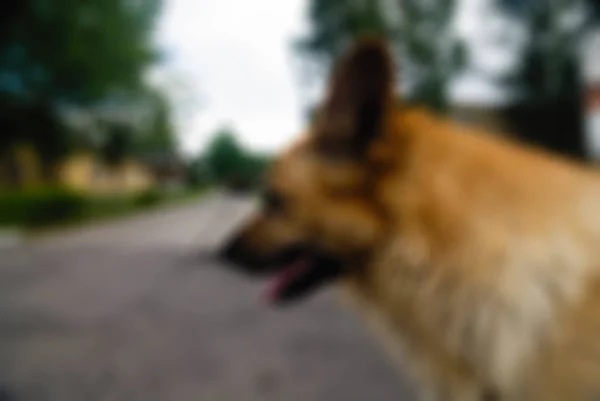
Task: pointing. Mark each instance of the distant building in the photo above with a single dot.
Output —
(168, 169)
(82, 171)
(87, 173)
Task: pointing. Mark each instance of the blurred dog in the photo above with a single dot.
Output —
(477, 259)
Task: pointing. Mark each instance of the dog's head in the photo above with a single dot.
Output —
(319, 219)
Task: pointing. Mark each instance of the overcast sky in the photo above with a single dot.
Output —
(229, 62)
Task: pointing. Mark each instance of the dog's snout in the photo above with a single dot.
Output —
(243, 256)
(230, 249)
(237, 251)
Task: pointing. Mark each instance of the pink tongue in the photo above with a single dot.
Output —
(283, 279)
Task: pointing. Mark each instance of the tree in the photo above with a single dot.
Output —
(335, 23)
(226, 161)
(549, 112)
(419, 30)
(74, 51)
(430, 56)
(551, 58)
(224, 156)
(68, 52)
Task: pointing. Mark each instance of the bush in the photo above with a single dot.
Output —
(51, 207)
(148, 198)
(41, 207)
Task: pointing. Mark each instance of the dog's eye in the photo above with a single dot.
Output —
(273, 202)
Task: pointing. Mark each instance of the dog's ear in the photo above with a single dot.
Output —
(360, 94)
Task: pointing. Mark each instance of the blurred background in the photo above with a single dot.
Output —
(133, 133)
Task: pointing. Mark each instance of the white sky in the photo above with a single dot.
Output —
(493, 39)
(230, 63)
(231, 60)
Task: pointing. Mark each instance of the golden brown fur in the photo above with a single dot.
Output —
(477, 260)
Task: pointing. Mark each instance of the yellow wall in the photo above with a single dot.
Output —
(86, 172)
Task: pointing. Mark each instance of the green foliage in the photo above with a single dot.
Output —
(226, 161)
(224, 156)
(255, 165)
(337, 22)
(40, 207)
(82, 53)
(430, 58)
(77, 50)
(148, 198)
(549, 79)
(102, 206)
(48, 207)
(419, 30)
(551, 68)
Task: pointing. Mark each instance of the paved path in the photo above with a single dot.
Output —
(132, 311)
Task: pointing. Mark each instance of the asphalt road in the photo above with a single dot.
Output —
(133, 310)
